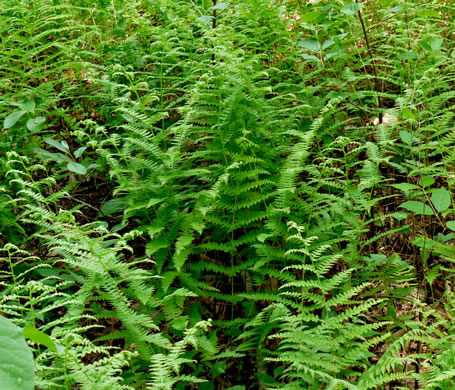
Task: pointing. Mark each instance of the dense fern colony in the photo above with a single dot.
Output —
(227, 195)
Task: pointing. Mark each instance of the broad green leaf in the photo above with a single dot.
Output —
(311, 16)
(58, 157)
(36, 124)
(405, 186)
(425, 46)
(451, 225)
(218, 368)
(114, 205)
(400, 215)
(435, 44)
(65, 145)
(351, 9)
(310, 44)
(426, 181)
(441, 199)
(79, 152)
(12, 119)
(76, 168)
(396, 9)
(327, 44)
(407, 113)
(417, 207)
(205, 19)
(31, 333)
(57, 145)
(220, 6)
(16, 358)
(310, 57)
(428, 13)
(27, 105)
(408, 55)
(406, 137)
(338, 53)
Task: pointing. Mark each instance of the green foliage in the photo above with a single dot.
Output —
(209, 194)
(16, 362)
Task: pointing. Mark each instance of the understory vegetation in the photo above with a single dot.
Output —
(237, 195)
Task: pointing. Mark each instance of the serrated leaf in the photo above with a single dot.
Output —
(180, 258)
(220, 6)
(351, 9)
(451, 225)
(57, 145)
(79, 152)
(16, 358)
(12, 119)
(441, 199)
(417, 207)
(310, 44)
(36, 124)
(76, 168)
(31, 333)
